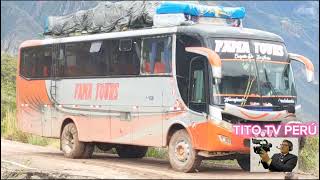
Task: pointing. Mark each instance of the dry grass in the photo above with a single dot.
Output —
(309, 156)
(10, 130)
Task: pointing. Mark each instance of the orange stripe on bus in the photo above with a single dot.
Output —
(275, 117)
(205, 137)
(213, 57)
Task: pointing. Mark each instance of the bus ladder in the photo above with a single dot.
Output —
(54, 72)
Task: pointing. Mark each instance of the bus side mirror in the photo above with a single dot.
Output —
(213, 58)
(307, 63)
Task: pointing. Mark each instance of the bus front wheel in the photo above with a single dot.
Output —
(244, 162)
(71, 146)
(182, 156)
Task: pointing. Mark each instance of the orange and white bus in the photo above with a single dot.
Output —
(179, 87)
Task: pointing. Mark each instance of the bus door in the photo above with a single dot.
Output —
(198, 94)
(198, 85)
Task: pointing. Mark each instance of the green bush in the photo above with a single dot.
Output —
(309, 155)
(9, 129)
(161, 153)
(8, 82)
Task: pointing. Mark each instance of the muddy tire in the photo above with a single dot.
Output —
(130, 151)
(70, 144)
(182, 156)
(244, 162)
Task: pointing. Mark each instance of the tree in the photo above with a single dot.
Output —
(8, 82)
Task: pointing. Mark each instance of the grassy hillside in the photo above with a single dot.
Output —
(8, 82)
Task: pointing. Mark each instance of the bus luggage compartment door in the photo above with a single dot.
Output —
(121, 122)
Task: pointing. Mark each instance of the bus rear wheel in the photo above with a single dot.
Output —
(130, 151)
(71, 146)
(182, 156)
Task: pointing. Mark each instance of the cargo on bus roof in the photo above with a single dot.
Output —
(201, 10)
(105, 17)
(125, 15)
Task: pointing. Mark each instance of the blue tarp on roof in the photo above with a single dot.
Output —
(201, 10)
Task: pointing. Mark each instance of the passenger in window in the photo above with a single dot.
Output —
(34, 66)
(34, 71)
(153, 56)
(45, 71)
(160, 56)
(167, 54)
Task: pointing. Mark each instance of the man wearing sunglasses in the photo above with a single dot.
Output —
(280, 162)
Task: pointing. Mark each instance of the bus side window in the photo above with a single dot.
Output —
(156, 55)
(46, 62)
(126, 57)
(34, 65)
(36, 62)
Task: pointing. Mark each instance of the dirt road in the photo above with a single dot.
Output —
(29, 161)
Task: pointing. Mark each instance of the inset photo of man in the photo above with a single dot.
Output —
(274, 155)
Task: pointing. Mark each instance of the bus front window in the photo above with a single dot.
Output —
(241, 85)
(276, 78)
(238, 82)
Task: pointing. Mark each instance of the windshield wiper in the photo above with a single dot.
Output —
(274, 92)
(269, 83)
(248, 90)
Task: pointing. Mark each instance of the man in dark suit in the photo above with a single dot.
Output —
(281, 162)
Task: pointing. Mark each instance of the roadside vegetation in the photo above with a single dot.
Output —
(308, 155)
(9, 129)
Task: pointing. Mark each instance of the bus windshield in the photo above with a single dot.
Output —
(252, 77)
(239, 78)
(276, 79)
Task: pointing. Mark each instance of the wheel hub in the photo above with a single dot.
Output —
(182, 151)
(68, 142)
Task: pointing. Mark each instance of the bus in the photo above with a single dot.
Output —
(181, 87)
